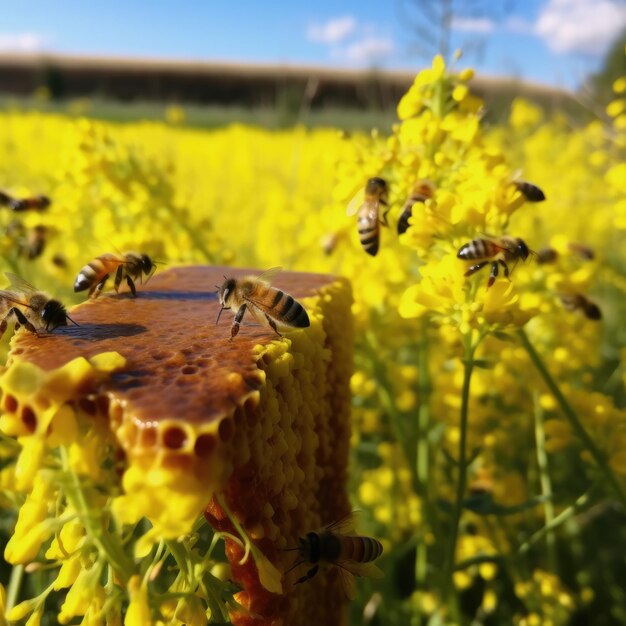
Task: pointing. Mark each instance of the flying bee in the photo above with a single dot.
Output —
(576, 301)
(267, 304)
(330, 241)
(34, 203)
(531, 192)
(131, 266)
(547, 255)
(336, 545)
(32, 309)
(422, 191)
(29, 242)
(34, 243)
(368, 222)
(497, 251)
(583, 251)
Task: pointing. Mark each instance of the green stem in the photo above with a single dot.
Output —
(185, 566)
(580, 504)
(422, 461)
(386, 398)
(546, 482)
(106, 544)
(572, 417)
(15, 583)
(462, 465)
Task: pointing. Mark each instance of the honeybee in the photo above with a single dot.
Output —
(583, 251)
(576, 301)
(267, 304)
(33, 203)
(497, 251)
(422, 191)
(130, 265)
(547, 255)
(33, 245)
(336, 545)
(32, 309)
(368, 222)
(330, 241)
(29, 243)
(531, 192)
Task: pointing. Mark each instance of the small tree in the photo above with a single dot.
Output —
(432, 22)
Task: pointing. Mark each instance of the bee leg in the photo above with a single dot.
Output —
(234, 329)
(119, 275)
(383, 219)
(308, 575)
(131, 284)
(493, 274)
(505, 267)
(21, 320)
(475, 268)
(94, 292)
(272, 323)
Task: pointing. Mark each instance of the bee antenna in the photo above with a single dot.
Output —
(71, 320)
(289, 549)
(218, 316)
(296, 564)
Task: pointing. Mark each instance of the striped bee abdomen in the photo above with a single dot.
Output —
(368, 229)
(360, 549)
(288, 311)
(95, 270)
(476, 249)
(531, 192)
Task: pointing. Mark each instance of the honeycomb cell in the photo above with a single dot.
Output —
(10, 403)
(205, 444)
(29, 419)
(174, 437)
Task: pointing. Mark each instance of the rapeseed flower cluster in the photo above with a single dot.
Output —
(489, 424)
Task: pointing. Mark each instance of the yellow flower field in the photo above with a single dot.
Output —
(488, 424)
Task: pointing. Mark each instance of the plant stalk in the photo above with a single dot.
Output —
(462, 467)
(572, 417)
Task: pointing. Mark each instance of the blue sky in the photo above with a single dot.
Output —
(555, 42)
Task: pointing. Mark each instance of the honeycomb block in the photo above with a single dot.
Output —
(261, 420)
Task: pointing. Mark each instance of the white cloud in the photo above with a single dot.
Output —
(21, 42)
(333, 31)
(516, 24)
(369, 49)
(580, 25)
(481, 25)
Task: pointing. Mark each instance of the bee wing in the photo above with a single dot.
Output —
(269, 275)
(19, 284)
(355, 203)
(257, 312)
(10, 296)
(365, 570)
(497, 241)
(347, 570)
(346, 579)
(344, 525)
